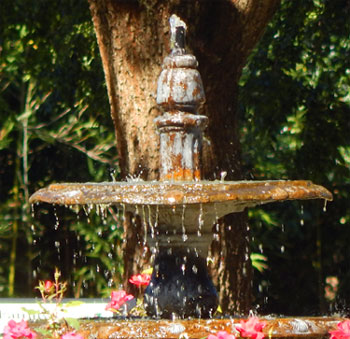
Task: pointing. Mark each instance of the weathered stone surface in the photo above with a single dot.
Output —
(238, 193)
(315, 327)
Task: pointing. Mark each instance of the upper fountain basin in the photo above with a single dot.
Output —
(241, 194)
(181, 207)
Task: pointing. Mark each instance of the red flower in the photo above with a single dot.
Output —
(118, 299)
(48, 286)
(18, 330)
(251, 328)
(221, 335)
(140, 279)
(343, 331)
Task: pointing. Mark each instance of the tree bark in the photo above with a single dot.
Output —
(133, 38)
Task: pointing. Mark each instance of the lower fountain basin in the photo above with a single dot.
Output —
(305, 327)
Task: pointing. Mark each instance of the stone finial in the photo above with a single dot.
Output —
(180, 85)
(179, 94)
(178, 30)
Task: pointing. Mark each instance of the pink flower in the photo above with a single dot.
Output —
(71, 335)
(118, 299)
(221, 335)
(18, 330)
(140, 279)
(251, 328)
(343, 331)
(48, 286)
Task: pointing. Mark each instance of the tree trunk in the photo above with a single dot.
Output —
(133, 38)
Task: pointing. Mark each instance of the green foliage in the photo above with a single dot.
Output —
(259, 261)
(54, 126)
(295, 109)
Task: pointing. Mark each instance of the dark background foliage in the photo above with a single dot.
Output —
(295, 124)
(55, 126)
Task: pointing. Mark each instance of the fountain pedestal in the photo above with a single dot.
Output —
(180, 285)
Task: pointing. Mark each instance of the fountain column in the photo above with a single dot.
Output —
(180, 284)
(179, 94)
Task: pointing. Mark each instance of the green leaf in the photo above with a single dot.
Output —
(259, 261)
(30, 312)
(72, 322)
(73, 303)
(5, 131)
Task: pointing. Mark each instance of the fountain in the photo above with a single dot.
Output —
(180, 209)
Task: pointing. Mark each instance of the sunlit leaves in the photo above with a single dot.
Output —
(5, 131)
(259, 261)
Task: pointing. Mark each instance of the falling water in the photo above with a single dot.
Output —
(302, 215)
(325, 206)
(184, 235)
(57, 222)
(200, 220)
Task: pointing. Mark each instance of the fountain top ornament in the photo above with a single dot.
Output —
(180, 209)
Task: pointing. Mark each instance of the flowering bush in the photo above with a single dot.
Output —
(251, 328)
(50, 290)
(118, 299)
(18, 330)
(343, 331)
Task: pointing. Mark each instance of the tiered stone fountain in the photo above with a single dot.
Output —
(180, 210)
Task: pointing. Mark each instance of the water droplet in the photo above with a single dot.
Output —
(223, 175)
(184, 235)
(57, 222)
